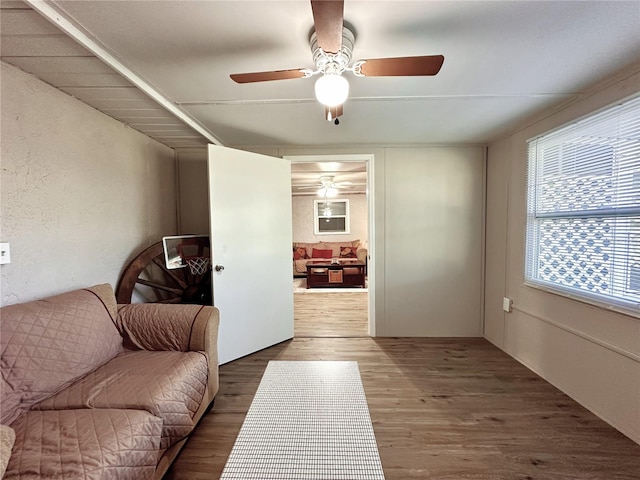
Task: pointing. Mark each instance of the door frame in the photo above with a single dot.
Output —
(368, 159)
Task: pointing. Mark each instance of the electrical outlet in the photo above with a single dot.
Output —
(506, 304)
(5, 253)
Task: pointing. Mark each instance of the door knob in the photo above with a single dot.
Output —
(219, 268)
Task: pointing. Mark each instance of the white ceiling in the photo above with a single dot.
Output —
(349, 177)
(504, 61)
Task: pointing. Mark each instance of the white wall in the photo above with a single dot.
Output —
(303, 220)
(590, 353)
(81, 192)
(428, 249)
(434, 211)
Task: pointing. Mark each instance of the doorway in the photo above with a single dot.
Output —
(321, 187)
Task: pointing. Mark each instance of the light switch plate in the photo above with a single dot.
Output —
(5, 253)
(506, 304)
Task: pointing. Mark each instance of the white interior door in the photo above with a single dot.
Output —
(251, 235)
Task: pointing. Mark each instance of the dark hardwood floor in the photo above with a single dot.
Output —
(441, 409)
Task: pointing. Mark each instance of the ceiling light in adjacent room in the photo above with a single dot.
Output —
(328, 192)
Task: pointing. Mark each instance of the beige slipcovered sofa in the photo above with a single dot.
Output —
(95, 390)
(345, 251)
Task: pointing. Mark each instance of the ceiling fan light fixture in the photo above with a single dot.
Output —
(332, 89)
(328, 192)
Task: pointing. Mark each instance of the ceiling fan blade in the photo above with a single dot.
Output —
(331, 113)
(268, 76)
(402, 66)
(328, 20)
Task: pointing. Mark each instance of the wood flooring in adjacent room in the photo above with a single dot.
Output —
(335, 314)
(446, 409)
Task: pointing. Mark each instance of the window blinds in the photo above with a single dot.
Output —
(583, 207)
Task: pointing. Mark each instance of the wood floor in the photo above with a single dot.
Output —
(441, 409)
(330, 314)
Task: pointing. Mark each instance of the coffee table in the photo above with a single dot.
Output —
(344, 274)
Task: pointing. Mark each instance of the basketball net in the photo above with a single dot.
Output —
(198, 265)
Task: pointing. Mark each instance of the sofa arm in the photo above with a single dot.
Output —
(153, 326)
(362, 254)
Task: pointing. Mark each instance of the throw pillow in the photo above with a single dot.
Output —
(348, 252)
(321, 253)
(300, 253)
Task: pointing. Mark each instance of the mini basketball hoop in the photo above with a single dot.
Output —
(197, 265)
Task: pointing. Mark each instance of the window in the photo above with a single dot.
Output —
(331, 216)
(583, 208)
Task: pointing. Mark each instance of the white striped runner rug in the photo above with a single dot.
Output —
(307, 421)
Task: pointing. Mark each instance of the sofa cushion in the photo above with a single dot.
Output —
(9, 401)
(47, 344)
(85, 444)
(169, 385)
(157, 326)
(335, 247)
(308, 246)
(321, 253)
(300, 266)
(348, 252)
(299, 253)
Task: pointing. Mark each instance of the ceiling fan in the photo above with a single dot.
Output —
(332, 46)
(327, 187)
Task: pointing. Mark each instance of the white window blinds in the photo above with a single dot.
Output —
(583, 207)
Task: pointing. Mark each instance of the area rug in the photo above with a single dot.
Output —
(300, 286)
(308, 420)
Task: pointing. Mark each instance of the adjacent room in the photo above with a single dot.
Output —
(304, 239)
(330, 214)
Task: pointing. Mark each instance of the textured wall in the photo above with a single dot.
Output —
(81, 192)
(590, 353)
(303, 220)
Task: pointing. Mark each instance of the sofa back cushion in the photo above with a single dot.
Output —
(47, 344)
(316, 253)
(335, 247)
(347, 251)
(300, 253)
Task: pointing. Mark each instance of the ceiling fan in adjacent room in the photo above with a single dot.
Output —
(327, 187)
(332, 46)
